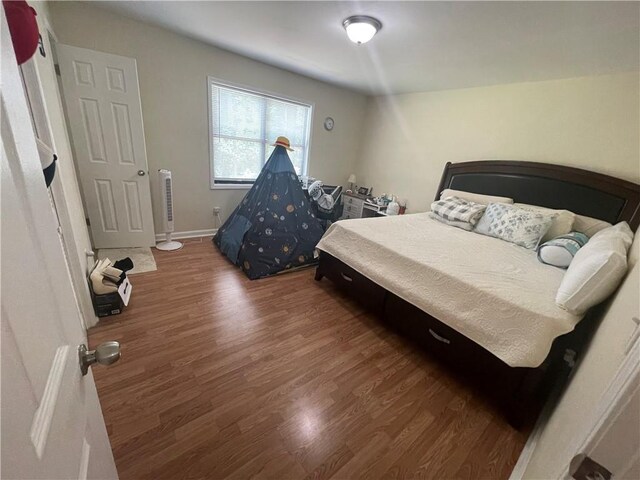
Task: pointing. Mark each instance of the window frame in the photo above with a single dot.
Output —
(239, 185)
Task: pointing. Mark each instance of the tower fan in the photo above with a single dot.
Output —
(166, 188)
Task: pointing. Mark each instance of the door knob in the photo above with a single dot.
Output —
(142, 173)
(105, 354)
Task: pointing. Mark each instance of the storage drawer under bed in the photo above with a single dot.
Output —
(357, 285)
(515, 388)
(437, 338)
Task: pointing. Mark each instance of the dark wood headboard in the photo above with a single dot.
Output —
(554, 186)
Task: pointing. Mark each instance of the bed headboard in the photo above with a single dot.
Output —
(553, 186)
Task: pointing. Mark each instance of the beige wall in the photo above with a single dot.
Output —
(570, 422)
(172, 71)
(589, 122)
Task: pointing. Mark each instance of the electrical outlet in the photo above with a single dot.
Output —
(216, 210)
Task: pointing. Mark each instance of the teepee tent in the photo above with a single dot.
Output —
(274, 227)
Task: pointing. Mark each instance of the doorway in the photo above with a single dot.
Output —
(104, 112)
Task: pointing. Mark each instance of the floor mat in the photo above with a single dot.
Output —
(142, 257)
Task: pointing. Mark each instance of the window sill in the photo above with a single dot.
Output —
(231, 186)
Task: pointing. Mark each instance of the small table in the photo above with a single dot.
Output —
(353, 205)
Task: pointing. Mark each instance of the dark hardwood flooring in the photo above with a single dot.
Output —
(285, 377)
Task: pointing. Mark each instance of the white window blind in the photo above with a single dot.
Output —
(244, 124)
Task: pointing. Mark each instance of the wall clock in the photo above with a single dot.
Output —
(328, 124)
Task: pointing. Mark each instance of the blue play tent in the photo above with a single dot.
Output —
(274, 227)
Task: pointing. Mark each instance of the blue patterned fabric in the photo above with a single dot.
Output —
(494, 212)
(515, 225)
(273, 228)
(559, 252)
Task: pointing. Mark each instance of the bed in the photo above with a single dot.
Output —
(481, 305)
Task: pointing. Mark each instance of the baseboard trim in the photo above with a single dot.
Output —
(532, 442)
(527, 452)
(188, 234)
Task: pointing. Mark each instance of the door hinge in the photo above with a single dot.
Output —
(583, 467)
(57, 68)
(88, 222)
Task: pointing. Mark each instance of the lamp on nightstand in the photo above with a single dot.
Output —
(352, 181)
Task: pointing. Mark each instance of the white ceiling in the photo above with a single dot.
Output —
(422, 45)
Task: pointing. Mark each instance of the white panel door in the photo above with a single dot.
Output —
(102, 99)
(52, 425)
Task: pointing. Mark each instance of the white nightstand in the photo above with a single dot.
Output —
(356, 206)
(353, 205)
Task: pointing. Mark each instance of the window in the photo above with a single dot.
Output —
(242, 126)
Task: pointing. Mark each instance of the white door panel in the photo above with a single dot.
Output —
(49, 410)
(610, 447)
(103, 105)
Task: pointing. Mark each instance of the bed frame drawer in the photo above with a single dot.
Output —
(357, 285)
(439, 339)
(515, 388)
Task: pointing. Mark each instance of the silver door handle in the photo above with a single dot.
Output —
(142, 173)
(105, 354)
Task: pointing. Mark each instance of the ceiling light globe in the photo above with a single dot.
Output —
(360, 32)
(360, 29)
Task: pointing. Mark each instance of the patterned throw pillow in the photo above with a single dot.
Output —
(452, 223)
(515, 225)
(560, 251)
(494, 212)
(458, 210)
(562, 221)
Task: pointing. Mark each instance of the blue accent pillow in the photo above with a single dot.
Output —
(559, 252)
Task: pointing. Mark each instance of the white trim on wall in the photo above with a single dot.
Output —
(160, 237)
(40, 79)
(532, 442)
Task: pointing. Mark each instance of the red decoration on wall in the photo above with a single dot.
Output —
(23, 28)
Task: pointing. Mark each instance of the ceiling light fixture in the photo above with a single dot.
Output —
(361, 28)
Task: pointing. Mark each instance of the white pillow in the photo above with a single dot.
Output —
(588, 225)
(596, 270)
(474, 197)
(619, 230)
(562, 221)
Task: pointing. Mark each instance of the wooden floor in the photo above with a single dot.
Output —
(280, 378)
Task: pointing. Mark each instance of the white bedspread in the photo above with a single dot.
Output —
(494, 292)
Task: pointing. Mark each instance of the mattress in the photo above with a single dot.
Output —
(494, 292)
